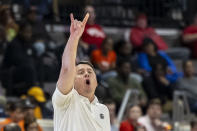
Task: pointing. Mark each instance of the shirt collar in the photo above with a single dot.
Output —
(87, 100)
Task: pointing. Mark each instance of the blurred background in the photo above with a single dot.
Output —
(144, 52)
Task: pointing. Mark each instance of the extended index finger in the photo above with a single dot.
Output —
(72, 17)
(85, 19)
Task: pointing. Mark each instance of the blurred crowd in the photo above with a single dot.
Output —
(30, 57)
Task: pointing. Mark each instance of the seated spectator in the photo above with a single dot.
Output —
(124, 51)
(131, 122)
(12, 127)
(39, 100)
(93, 35)
(157, 86)
(7, 21)
(15, 112)
(111, 105)
(105, 58)
(152, 120)
(119, 84)
(150, 57)
(38, 27)
(29, 108)
(193, 125)
(19, 63)
(44, 48)
(188, 84)
(31, 125)
(190, 37)
(142, 31)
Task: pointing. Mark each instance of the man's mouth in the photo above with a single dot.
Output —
(88, 82)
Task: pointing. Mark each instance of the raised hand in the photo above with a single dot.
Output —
(77, 27)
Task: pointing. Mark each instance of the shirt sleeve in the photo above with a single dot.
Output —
(60, 100)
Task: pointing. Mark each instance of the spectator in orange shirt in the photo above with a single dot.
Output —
(15, 112)
(105, 58)
(131, 124)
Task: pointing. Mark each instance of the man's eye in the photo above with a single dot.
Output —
(81, 72)
(90, 72)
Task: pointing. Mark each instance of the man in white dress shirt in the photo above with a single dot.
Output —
(76, 108)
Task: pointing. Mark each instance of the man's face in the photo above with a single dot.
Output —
(17, 115)
(142, 23)
(126, 49)
(90, 10)
(189, 68)
(108, 46)
(85, 80)
(149, 48)
(29, 112)
(154, 111)
(32, 16)
(125, 69)
(134, 113)
(194, 128)
(26, 33)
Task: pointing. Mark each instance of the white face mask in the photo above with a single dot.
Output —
(39, 47)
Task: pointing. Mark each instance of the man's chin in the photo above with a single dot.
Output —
(88, 89)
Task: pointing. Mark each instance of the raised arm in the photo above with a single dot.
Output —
(67, 73)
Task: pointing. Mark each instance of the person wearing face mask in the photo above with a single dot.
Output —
(131, 123)
(19, 72)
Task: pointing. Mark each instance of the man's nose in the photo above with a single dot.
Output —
(86, 75)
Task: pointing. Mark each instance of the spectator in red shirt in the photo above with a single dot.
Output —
(131, 124)
(93, 33)
(141, 31)
(190, 37)
(105, 58)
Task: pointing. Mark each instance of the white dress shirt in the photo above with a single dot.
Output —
(73, 112)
